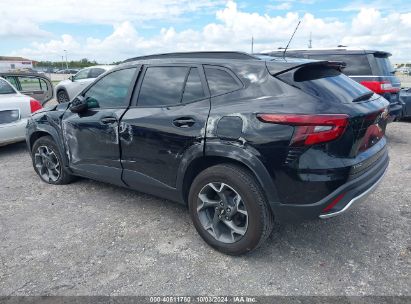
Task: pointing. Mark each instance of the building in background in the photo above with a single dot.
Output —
(15, 64)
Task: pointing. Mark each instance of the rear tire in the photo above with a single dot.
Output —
(47, 162)
(229, 209)
(62, 96)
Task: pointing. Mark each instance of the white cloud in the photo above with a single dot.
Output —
(281, 7)
(232, 30)
(16, 14)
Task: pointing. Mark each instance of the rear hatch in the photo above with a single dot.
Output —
(368, 114)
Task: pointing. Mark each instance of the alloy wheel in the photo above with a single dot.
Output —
(47, 164)
(222, 212)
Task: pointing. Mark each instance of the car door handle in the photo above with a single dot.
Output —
(108, 120)
(184, 122)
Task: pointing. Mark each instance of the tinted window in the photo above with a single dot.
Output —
(30, 84)
(356, 64)
(111, 90)
(12, 80)
(384, 66)
(43, 85)
(5, 88)
(83, 74)
(325, 83)
(194, 88)
(162, 86)
(220, 81)
(95, 72)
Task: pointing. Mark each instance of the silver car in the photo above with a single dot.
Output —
(15, 109)
(68, 89)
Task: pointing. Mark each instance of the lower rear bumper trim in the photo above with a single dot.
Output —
(360, 197)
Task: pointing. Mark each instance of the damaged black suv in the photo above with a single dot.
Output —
(241, 140)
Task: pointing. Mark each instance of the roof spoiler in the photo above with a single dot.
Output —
(279, 67)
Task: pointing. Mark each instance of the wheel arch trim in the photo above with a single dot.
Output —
(237, 154)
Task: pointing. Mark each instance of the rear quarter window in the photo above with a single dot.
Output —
(5, 88)
(384, 66)
(357, 64)
(220, 81)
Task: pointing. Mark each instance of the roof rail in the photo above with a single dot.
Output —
(211, 55)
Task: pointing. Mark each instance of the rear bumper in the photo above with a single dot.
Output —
(13, 132)
(347, 195)
(395, 111)
(359, 198)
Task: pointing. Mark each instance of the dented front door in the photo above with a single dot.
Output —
(91, 137)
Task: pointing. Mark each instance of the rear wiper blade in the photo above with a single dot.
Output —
(363, 97)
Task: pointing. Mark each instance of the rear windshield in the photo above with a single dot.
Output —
(356, 64)
(384, 65)
(326, 83)
(5, 88)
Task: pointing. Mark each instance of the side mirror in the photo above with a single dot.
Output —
(78, 105)
(71, 78)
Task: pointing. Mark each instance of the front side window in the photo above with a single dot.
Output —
(162, 86)
(83, 74)
(220, 81)
(5, 88)
(111, 90)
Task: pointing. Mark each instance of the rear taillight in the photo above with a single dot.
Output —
(380, 87)
(35, 105)
(310, 129)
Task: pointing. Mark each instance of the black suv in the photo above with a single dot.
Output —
(239, 139)
(372, 69)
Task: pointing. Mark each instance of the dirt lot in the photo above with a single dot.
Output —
(90, 238)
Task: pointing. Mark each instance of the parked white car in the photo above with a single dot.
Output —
(15, 109)
(66, 90)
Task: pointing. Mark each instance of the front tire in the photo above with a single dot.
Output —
(229, 209)
(47, 162)
(62, 96)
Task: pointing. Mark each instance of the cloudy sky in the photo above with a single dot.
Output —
(113, 30)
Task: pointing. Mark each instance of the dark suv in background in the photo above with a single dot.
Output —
(241, 140)
(372, 69)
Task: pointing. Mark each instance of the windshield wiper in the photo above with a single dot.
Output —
(363, 97)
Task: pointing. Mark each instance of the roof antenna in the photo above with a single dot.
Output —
(310, 45)
(292, 36)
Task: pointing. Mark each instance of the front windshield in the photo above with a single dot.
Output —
(5, 88)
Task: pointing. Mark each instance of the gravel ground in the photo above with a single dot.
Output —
(90, 238)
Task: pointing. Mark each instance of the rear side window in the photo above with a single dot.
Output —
(162, 86)
(193, 89)
(5, 88)
(357, 64)
(220, 81)
(326, 83)
(30, 84)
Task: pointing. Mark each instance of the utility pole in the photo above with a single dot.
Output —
(252, 44)
(310, 42)
(65, 51)
(62, 62)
